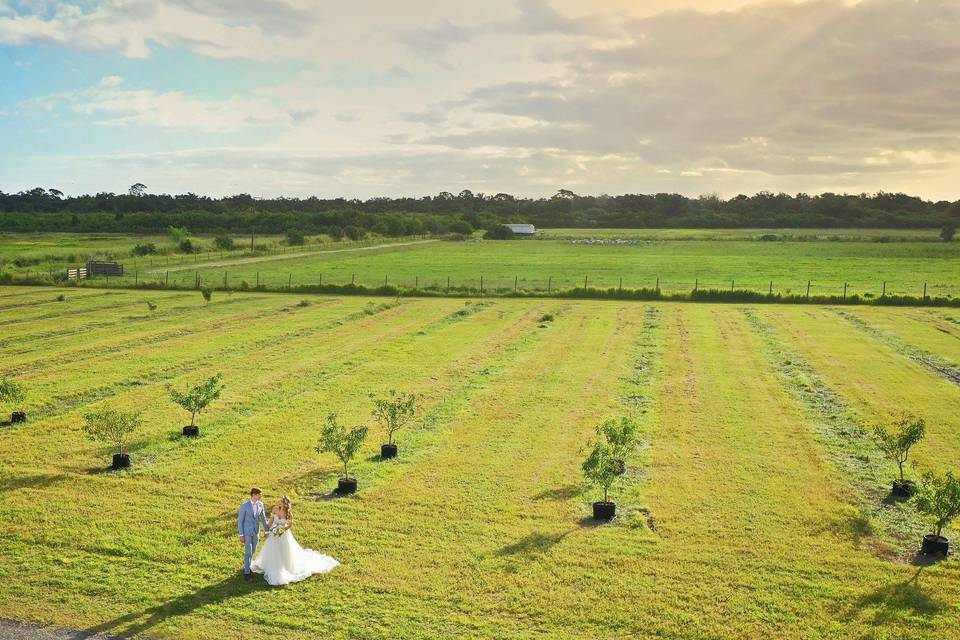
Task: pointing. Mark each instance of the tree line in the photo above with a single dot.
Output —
(140, 212)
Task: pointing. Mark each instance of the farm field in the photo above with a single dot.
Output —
(550, 264)
(755, 510)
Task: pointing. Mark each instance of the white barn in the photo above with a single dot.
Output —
(522, 229)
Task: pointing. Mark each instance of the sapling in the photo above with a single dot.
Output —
(394, 412)
(11, 393)
(607, 458)
(151, 306)
(113, 426)
(341, 442)
(939, 498)
(207, 293)
(197, 399)
(896, 445)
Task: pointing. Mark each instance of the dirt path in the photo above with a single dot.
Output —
(193, 266)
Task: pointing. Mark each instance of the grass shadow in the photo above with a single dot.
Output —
(905, 598)
(588, 522)
(533, 543)
(139, 622)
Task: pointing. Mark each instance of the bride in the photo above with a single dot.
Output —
(282, 560)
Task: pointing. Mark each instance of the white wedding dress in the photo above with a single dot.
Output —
(282, 560)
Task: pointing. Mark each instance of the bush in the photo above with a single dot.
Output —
(354, 233)
(295, 237)
(207, 293)
(393, 412)
(939, 498)
(499, 232)
(303, 303)
(341, 442)
(195, 400)
(223, 243)
(947, 232)
(113, 426)
(896, 446)
(547, 317)
(145, 249)
(462, 227)
(606, 461)
(151, 306)
(186, 246)
(769, 237)
(336, 232)
(61, 298)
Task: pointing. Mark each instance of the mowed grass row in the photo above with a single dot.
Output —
(737, 528)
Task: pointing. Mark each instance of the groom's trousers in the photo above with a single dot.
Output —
(249, 547)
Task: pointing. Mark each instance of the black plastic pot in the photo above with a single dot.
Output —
(903, 489)
(18, 416)
(191, 432)
(346, 486)
(388, 451)
(934, 545)
(604, 510)
(120, 461)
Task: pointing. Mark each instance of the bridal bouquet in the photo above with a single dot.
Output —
(278, 530)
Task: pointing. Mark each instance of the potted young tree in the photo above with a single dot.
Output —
(939, 498)
(896, 445)
(343, 443)
(113, 426)
(13, 393)
(196, 400)
(393, 413)
(606, 461)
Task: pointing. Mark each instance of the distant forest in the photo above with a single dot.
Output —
(140, 212)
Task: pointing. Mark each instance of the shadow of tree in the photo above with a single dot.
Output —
(139, 622)
(533, 543)
(902, 598)
(36, 481)
(566, 492)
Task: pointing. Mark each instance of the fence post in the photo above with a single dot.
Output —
(448, 284)
(384, 280)
(549, 284)
(696, 283)
(481, 285)
(884, 294)
(584, 283)
(321, 279)
(770, 291)
(731, 285)
(620, 288)
(258, 279)
(224, 279)
(924, 290)
(808, 288)
(844, 290)
(515, 280)
(289, 281)
(167, 281)
(658, 284)
(416, 283)
(136, 278)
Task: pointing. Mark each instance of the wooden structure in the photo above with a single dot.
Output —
(97, 268)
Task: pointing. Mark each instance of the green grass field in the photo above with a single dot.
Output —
(717, 259)
(755, 510)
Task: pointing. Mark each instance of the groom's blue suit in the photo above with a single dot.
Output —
(249, 520)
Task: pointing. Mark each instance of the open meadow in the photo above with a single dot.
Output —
(870, 262)
(756, 508)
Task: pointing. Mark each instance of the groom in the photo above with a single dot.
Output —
(249, 519)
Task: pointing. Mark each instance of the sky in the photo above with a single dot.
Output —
(384, 98)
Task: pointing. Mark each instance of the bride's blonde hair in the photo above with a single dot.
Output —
(287, 507)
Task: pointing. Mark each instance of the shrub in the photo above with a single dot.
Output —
(145, 249)
(207, 293)
(394, 411)
(61, 298)
(939, 498)
(178, 234)
(341, 442)
(151, 306)
(499, 232)
(113, 426)
(336, 232)
(947, 232)
(186, 246)
(607, 458)
(462, 227)
(195, 400)
(303, 303)
(354, 233)
(547, 317)
(224, 243)
(11, 392)
(896, 446)
(295, 237)
(769, 237)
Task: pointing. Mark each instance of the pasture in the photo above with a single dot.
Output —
(756, 508)
(677, 260)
